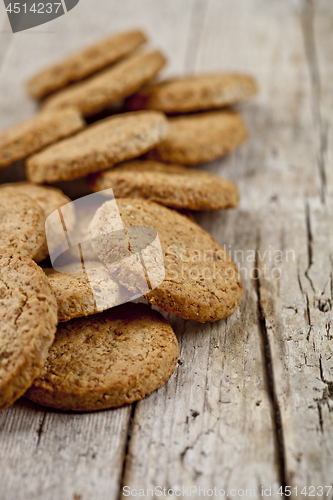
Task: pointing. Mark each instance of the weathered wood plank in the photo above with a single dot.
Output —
(269, 168)
(279, 174)
(307, 453)
(298, 317)
(301, 344)
(54, 455)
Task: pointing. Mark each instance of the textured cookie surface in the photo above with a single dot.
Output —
(107, 360)
(194, 93)
(201, 280)
(84, 293)
(99, 147)
(22, 223)
(84, 63)
(49, 199)
(111, 85)
(45, 128)
(28, 313)
(200, 137)
(171, 185)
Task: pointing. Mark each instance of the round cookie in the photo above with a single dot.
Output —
(81, 293)
(171, 185)
(49, 199)
(111, 85)
(26, 138)
(84, 63)
(194, 93)
(100, 146)
(28, 313)
(108, 360)
(200, 137)
(201, 281)
(22, 223)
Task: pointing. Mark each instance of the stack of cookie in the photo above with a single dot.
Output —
(59, 345)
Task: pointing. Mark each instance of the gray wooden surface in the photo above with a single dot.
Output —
(251, 401)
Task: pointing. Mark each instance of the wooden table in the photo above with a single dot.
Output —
(250, 404)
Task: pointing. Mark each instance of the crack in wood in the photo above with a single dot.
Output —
(279, 435)
(307, 23)
(309, 243)
(320, 416)
(328, 329)
(308, 317)
(307, 309)
(126, 450)
(299, 279)
(326, 396)
(327, 382)
(40, 430)
(331, 276)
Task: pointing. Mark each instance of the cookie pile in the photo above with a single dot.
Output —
(59, 345)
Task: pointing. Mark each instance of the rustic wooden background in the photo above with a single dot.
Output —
(251, 400)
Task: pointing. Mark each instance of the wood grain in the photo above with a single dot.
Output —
(251, 400)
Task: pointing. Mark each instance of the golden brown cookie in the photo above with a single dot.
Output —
(108, 360)
(171, 185)
(22, 224)
(100, 146)
(194, 93)
(26, 138)
(84, 63)
(111, 85)
(201, 281)
(200, 137)
(49, 199)
(81, 293)
(28, 313)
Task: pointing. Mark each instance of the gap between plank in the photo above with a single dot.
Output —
(279, 435)
(126, 450)
(40, 429)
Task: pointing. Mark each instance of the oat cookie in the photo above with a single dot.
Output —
(111, 85)
(200, 137)
(28, 313)
(194, 93)
(201, 280)
(84, 63)
(49, 199)
(172, 185)
(107, 360)
(81, 293)
(100, 146)
(26, 138)
(22, 223)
